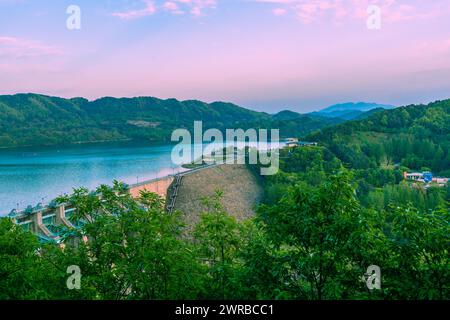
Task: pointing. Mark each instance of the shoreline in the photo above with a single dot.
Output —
(80, 143)
(29, 195)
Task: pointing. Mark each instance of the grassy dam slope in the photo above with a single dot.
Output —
(241, 188)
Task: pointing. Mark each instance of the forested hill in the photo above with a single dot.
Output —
(416, 137)
(32, 120)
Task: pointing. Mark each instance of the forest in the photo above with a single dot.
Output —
(330, 212)
(416, 137)
(313, 243)
(38, 120)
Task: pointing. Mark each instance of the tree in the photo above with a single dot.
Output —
(218, 237)
(418, 267)
(134, 248)
(25, 271)
(309, 234)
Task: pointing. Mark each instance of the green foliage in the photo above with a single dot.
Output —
(218, 239)
(330, 213)
(423, 199)
(418, 267)
(26, 271)
(134, 251)
(310, 165)
(35, 120)
(316, 242)
(310, 233)
(413, 136)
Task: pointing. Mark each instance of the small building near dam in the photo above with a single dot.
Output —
(425, 177)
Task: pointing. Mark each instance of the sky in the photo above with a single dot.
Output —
(266, 55)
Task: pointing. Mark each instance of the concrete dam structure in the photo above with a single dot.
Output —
(183, 192)
(43, 221)
(158, 186)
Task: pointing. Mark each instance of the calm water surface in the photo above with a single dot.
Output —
(32, 175)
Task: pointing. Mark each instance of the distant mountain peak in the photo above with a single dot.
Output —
(351, 110)
(357, 106)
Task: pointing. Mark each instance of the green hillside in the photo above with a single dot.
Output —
(31, 119)
(331, 211)
(416, 137)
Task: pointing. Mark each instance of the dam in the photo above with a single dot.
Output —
(43, 221)
(183, 192)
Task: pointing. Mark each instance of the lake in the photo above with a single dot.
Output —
(32, 175)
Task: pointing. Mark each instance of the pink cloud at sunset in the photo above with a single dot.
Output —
(149, 7)
(11, 47)
(147, 10)
(393, 10)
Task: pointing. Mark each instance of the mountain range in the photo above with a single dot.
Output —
(414, 136)
(351, 110)
(35, 120)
